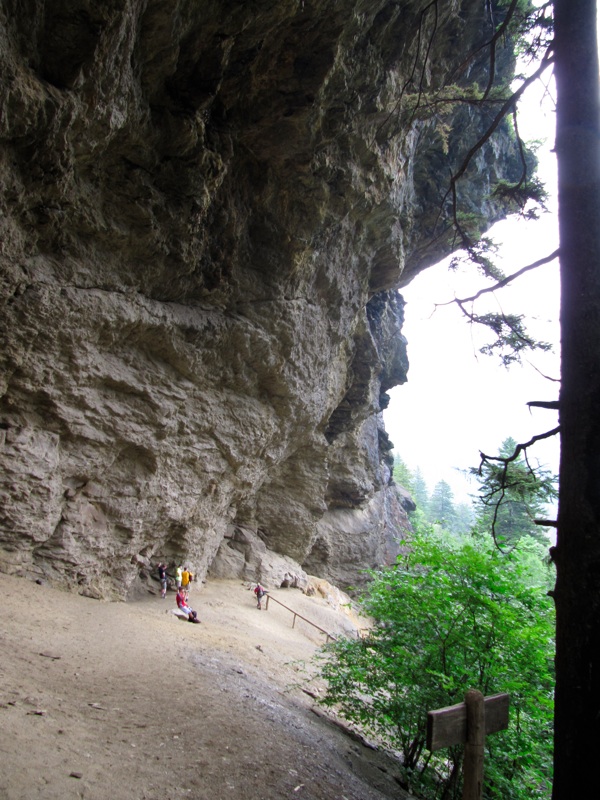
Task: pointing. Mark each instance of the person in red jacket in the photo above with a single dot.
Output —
(183, 606)
(260, 592)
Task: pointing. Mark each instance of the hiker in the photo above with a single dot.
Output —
(182, 605)
(260, 592)
(178, 576)
(162, 576)
(186, 581)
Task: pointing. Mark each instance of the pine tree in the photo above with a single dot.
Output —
(512, 496)
(577, 552)
(441, 506)
(420, 492)
(402, 474)
(464, 518)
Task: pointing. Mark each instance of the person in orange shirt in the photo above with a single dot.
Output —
(186, 580)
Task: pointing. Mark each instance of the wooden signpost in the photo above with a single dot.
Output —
(468, 723)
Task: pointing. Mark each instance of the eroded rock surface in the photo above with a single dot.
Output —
(207, 209)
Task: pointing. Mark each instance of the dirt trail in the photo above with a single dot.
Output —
(125, 701)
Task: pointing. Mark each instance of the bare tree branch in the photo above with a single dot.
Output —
(492, 45)
(503, 482)
(503, 282)
(398, 102)
(505, 109)
(547, 377)
(519, 448)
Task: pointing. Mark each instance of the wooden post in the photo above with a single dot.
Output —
(468, 723)
(473, 766)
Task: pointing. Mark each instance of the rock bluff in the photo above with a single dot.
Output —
(207, 210)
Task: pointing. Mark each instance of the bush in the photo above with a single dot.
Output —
(450, 616)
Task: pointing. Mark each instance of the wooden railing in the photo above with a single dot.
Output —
(295, 613)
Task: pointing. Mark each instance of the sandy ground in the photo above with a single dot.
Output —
(123, 700)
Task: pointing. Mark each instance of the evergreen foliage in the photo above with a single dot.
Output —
(441, 506)
(512, 338)
(402, 474)
(420, 491)
(512, 495)
(438, 508)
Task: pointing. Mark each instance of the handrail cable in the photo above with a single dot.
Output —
(296, 614)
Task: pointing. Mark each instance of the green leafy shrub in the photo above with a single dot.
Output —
(450, 616)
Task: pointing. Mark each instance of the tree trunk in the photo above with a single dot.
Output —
(577, 555)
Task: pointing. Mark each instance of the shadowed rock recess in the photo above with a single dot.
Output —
(207, 210)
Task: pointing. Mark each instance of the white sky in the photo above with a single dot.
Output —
(457, 402)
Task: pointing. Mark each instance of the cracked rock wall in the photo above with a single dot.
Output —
(206, 210)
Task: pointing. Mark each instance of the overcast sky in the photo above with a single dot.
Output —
(457, 402)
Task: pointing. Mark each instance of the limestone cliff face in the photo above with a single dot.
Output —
(207, 208)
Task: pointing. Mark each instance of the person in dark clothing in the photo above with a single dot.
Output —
(162, 576)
